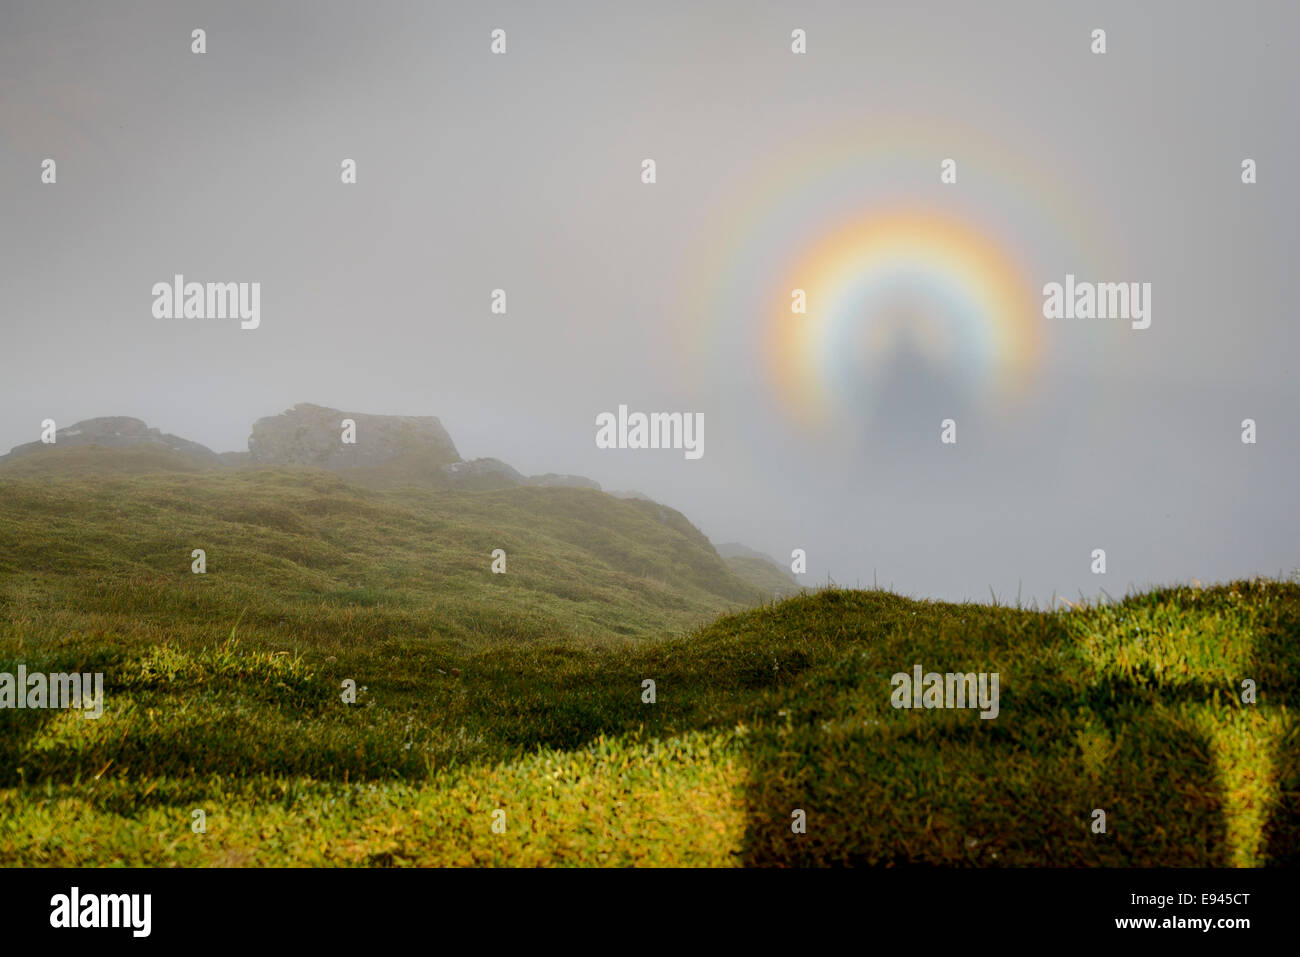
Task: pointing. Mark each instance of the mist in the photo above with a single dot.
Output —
(523, 172)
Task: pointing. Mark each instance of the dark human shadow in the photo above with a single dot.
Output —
(945, 788)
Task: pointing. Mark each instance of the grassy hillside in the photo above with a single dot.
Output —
(300, 553)
(92, 461)
(523, 693)
(762, 574)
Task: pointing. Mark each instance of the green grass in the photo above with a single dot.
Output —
(772, 579)
(305, 554)
(523, 693)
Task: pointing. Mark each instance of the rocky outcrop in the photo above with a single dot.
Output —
(493, 473)
(482, 474)
(116, 431)
(388, 449)
(313, 435)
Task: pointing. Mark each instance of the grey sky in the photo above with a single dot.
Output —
(522, 172)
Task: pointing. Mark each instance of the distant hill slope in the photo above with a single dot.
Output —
(303, 549)
(763, 574)
(71, 461)
(737, 550)
(759, 569)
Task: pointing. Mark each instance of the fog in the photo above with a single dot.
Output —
(523, 172)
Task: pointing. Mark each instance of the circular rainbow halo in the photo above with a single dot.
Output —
(894, 281)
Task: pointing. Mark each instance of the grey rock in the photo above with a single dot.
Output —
(312, 435)
(483, 473)
(493, 473)
(115, 431)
